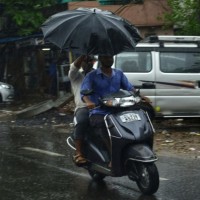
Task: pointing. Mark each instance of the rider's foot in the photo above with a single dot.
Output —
(79, 160)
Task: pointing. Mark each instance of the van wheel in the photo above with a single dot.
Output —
(148, 108)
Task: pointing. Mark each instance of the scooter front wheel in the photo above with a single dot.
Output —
(96, 176)
(146, 177)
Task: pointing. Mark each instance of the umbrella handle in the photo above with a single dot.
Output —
(70, 57)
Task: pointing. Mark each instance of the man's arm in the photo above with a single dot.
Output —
(75, 67)
(78, 61)
(88, 102)
(87, 85)
(125, 84)
(130, 87)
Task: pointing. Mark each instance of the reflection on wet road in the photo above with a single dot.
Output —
(36, 165)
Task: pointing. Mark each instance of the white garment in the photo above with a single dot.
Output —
(76, 78)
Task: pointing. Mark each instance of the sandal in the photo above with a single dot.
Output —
(110, 165)
(79, 160)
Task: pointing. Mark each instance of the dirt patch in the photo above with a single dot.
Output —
(183, 140)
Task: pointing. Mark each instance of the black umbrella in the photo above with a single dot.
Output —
(90, 31)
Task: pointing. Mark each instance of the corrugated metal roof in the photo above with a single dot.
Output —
(19, 38)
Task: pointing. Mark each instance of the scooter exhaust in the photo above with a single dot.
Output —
(100, 169)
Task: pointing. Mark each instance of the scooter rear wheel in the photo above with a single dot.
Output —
(96, 176)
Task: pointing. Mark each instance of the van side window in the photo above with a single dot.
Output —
(185, 62)
(134, 62)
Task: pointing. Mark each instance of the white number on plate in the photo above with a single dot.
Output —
(129, 117)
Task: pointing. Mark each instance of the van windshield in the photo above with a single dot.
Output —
(186, 62)
(134, 62)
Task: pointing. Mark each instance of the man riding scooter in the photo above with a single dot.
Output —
(81, 114)
(103, 81)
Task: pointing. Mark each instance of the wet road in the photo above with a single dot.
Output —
(36, 165)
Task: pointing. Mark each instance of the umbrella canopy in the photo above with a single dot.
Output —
(90, 31)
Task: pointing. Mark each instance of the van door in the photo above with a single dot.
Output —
(178, 82)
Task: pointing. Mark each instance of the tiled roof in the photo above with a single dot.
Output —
(150, 13)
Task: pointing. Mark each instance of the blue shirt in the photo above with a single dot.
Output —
(103, 85)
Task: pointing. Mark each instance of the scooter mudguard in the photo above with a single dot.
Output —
(139, 153)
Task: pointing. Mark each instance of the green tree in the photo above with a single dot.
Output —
(27, 16)
(185, 16)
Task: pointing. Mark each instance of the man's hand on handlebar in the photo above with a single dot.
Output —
(90, 105)
(146, 99)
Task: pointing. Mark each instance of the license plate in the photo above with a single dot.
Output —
(129, 117)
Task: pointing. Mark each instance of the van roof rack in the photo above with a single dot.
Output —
(172, 38)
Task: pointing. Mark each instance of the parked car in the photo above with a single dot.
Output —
(167, 70)
(6, 92)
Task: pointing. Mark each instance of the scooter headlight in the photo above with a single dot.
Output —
(127, 101)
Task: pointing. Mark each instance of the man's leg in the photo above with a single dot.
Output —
(81, 125)
(97, 122)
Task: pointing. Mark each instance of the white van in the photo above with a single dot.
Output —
(167, 70)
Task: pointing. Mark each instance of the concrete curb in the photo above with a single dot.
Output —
(36, 109)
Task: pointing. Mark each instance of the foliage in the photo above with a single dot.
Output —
(26, 15)
(185, 16)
